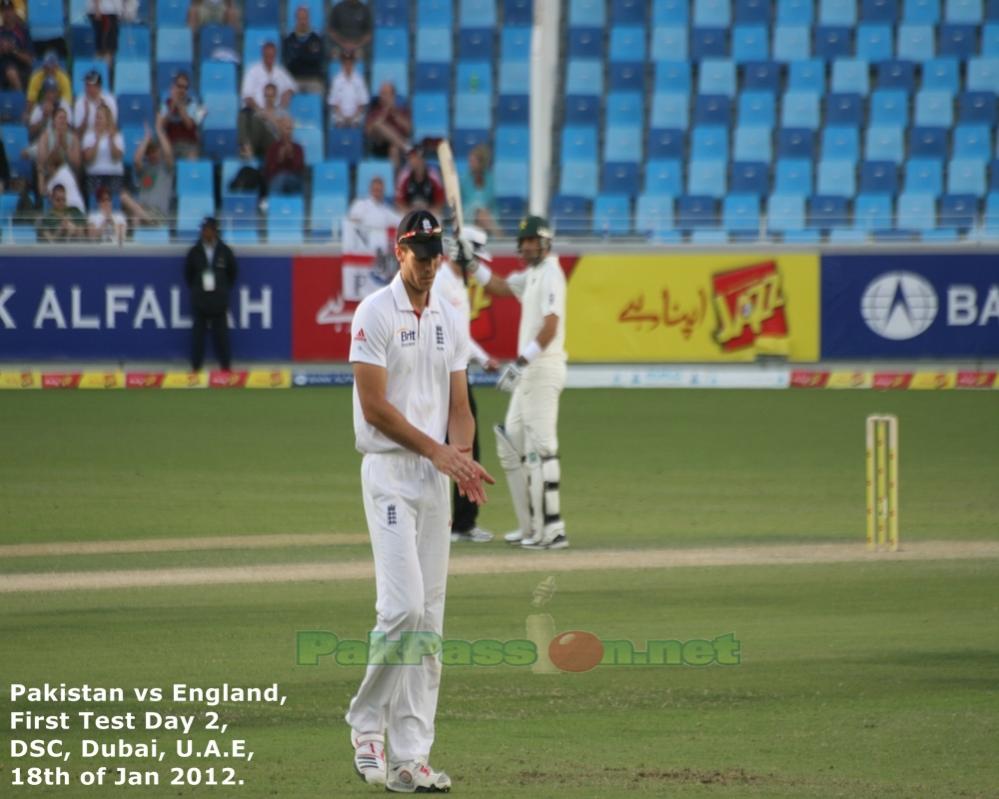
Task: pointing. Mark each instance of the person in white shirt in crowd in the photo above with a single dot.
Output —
(451, 284)
(366, 228)
(85, 109)
(104, 154)
(105, 224)
(253, 123)
(57, 147)
(348, 98)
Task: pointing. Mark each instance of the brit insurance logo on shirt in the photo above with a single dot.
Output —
(407, 338)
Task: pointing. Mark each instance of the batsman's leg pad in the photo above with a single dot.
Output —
(551, 472)
(535, 492)
(512, 462)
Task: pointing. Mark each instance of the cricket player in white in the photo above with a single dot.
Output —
(409, 353)
(527, 441)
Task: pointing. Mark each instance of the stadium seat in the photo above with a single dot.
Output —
(924, 176)
(591, 13)
(394, 72)
(217, 76)
(307, 110)
(473, 111)
(82, 42)
(670, 110)
(875, 42)
(741, 216)
(792, 43)
(942, 74)
(669, 43)
(896, 75)
(625, 108)
(934, 108)
(512, 142)
(391, 44)
(958, 211)
(750, 43)
(46, 19)
(836, 178)
(966, 11)
(619, 177)
(627, 43)
(623, 143)
(837, 12)
(579, 141)
(628, 12)
(834, 41)
(972, 141)
(706, 178)
(800, 109)
(929, 142)
(435, 13)
(517, 12)
(795, 12)
(750, 177)
(709, 43)
(665, 143)
(883, 143)
(431, 115)
(990, 38)
(888, 107)
(785, 213)
(583, 76)
(512, 109)
(580, 109)
(195, 178)
(716, 76)
(793, 176)
(712, 13)
(571, 215)
(752, 11)
(586, 43)
(259, 13)
(825, 212)
(663, 178)
(12, 105)
(174, 44)
(477, 13)
(757, 108)
(475, 77)
(311, 140)
(915, 42)
(840, 143)
(433, 45)
(844, 109)
(240, 210)
(136, 109)
(612, 215)
(761, 76)
(808, 74)
(222, 110)
(712, 109)
(983, 74)
(957, 40)
(627, 76)
(151, 236)
(880, 10)
(515, 44)
(654, 218)
(579, 178)
(171, 13)
(696, 213)
(367, 168)
(709, 142)
(464, 140)
(15, 140)
(878, 177)
(872, 212)
(795, 143)
(752, 143)
(850, 75)
(285, 219)
(977, 107)
(966, 176)
(191, 209)
(430, 77)
(916, 212)
(926, 12)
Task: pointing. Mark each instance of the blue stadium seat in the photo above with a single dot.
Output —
(896, 75)
(834, 41)
(934, 108)
(431, 115)
(750, 43)
(972, 141)
(171, 13)
(513, 142)
(669, 43)
(696, 213)
(307, 110)
(712, 13)
(879, 11)
(958, 211)
(752, 143)
(926, 12)
(757, 108)
(581, 109)
(515, 44)
(285, 219)
(333, 177)
(990, 222)
(792, 42)
(966, 11)
(464, 140)
(230, 168)
(627, 43)
(433, 45)
(195, 177)
(672, 76)
(518, 12)
(795, 12)
(889, 107)
(850, 75)
(510, 210)
(872, 212)
(579, 142)
(612, 215)
(837, 12)
(800, 109)
(712, 109)
(620, 178)
(785, 213)
(222, 111)
(654, 217)
(191, 209)
(878, 177)
(627, 76)
(663, 178)
(83, 42)
(311, 140)
(512, 108)
(391, 44)
(795, 143)
(586, 43)
(716, 76)
(136, 109)
(793, 176)
(706, 178)
(966, 176)
(583, 76)
(477, 44)
(924, 175)
(836, 178)
(990, 38)
(982, 74)
(709, 142)
(625, 108)
(915, 42)
(473, 111)
(174, 44)
(394, 72)
(474, 76)
(844, 109)
(942, 74)
(883, 143)
(434, 13)
(825, 212)
(752, 11)
(741, 216)
(761, 76)
(708, 43)
(588, 13)
(672, 12)
(240, 210)
(12, 105)
(958, 40)
(875, 42)
(666, 143)
(840, 143)
(477, 13)
(917, 212)
(808, 74)
(628, 12)
(217, 77)
(928, 142)
(255, 38)
(977, 107)
(260, 13)
(750, 177)
(571, 214)
(368, 168)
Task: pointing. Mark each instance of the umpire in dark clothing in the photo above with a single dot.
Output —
(210, 272)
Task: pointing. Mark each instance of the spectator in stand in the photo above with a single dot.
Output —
(477, 195)
(284, 167)
(348, 98)
(104, 16)
(371, 217)
(41, 117)
(93, 97)
(16, 51)
(388, 126)
(419, 186)
(57, 146)
(304, 54)
(103, 154)
(181, 118)
(106, 224)
(62, 222)
(351, 27)
(152, 170)
(257, 120)
(212, 12)
(50, 70)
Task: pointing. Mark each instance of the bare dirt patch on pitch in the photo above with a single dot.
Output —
(508, 562)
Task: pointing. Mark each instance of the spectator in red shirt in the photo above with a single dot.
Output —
(419, 186)
(16, 51)
(284, 167)
(388, 126)
(180, 117)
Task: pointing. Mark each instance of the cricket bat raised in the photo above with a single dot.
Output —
(452, 188)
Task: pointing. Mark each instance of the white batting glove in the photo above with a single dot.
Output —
(462, 253)
(509, 378)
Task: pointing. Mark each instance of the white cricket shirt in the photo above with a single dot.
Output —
(418, 352)
(541, 291)
(452, 290)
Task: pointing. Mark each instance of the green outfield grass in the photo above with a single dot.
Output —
(868, 679)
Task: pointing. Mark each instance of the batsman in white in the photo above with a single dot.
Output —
(451, 284)
(527, 441)
(409, 353)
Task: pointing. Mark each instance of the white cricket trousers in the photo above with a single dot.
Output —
(408, 509)
(532, 417)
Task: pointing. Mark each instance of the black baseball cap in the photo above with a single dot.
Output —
(421, 232)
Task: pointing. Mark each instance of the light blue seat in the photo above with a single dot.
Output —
(752, 143)
(983, 74)
(625, 107)
(838, 12)
(627, 43)
(916, 211)
(792, 42)
(285, 219)
(474, 76)
(712, 13)
(669, 43)
(851, 75)
(972, 141)
(716, 76)
(709, 142)
(583, 76)
(800, 109)
(966, 176)
(757, 108)
(807, 75)
(477, 13)
(515, 43)
(433, 45)
(217, 77)
(612, 215)
(926, 12)
(326, 214)
(884, 143)
(670, 11)
(473, 111)
(394, 72)
(924, 175)
(990, 40)
(836, 178)
(663, 177)
(513, 142)
(333, 177)
(785, 213)
(579, 179)
(963, 11)
(795, 12)
(990, 222)
(391, 44)
(132, 76)
(872, 212)
(367, 168)
(741, 215)
(672, 76)
(307, 110)
(195, 178)
(222, 111)
(191, 209)
(623, 143)
(431, 115)
(840, 143)
(889, 107)
(875, 42)
(254, 40)
(654, 217)
(934, 108)
(750, 43)
(312, 142)
(515, 77)
(706, 178)
(174, 44)
(942, 74)
(793, 176)
(670, 110)
(579, 142)
(134, 42)
(587, 13)
(915, 42)
(437, 13)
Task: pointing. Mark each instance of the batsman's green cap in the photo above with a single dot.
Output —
(533, 227)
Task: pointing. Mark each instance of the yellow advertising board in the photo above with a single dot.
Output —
(702, 307)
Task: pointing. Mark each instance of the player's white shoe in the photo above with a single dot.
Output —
(514, 537)
(476, 536)
(369, 756)
(552, 537)
(416, 776)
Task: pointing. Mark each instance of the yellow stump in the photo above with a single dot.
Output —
(882, 482)
(871, 497)
(881, 445)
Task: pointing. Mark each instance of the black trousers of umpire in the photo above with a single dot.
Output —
(220, 337)
(465, 511)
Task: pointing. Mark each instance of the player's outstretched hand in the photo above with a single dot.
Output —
(467, 473)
